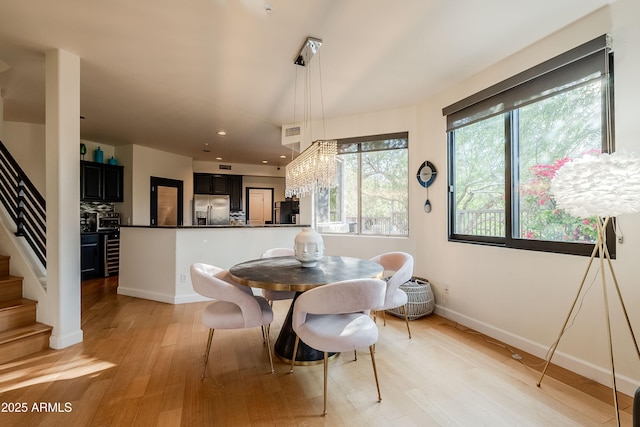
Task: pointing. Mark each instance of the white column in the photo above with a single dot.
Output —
(63, 195)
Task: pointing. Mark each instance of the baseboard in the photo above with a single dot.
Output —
(156, 296)
(58, 342)
(596, 373)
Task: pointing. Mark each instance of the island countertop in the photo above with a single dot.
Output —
(181, 227)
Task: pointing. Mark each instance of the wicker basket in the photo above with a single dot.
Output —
(421, 301)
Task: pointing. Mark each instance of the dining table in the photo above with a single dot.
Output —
(287, 274)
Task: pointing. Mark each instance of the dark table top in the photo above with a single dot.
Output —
(287, 274)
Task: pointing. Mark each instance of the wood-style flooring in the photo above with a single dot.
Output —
(140, 364)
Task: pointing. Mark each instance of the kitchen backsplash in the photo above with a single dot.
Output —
(92, 207)
(96, 207)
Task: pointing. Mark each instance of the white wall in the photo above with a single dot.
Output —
(145, 163)
(25, 142)
(239, 168)
(375, 123)
(523, 297)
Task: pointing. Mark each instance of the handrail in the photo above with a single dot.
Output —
(23, 202)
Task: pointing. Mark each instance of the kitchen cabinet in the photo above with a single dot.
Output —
(89, 255)
(235, 193)
(101, 182)
(231, 185)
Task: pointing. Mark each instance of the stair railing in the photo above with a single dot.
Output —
(25, 205)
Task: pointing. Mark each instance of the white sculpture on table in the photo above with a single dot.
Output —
(308, 247)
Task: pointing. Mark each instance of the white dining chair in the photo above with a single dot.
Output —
(335, 318)
(269, 294)
(235, 307)
(398, 269)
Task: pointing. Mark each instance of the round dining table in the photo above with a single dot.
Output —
(287, 274)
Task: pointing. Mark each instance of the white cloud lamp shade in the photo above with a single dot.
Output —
(603, 185)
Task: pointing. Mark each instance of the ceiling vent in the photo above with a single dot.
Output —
(224, 167)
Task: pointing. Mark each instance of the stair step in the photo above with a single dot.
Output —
(10, 288)
(20, 342)
(17, 313)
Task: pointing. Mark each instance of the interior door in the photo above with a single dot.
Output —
(259, 209)
(166, 202)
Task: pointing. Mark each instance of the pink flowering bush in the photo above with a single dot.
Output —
(541, 220)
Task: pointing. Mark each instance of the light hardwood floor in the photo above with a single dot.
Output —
(140, 362)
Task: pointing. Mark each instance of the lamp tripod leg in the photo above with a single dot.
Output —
(624, 309)
(553, 347)
(605, 298)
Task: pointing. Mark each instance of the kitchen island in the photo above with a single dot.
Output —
(155, 261)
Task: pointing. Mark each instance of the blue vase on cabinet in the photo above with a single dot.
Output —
(98, 155)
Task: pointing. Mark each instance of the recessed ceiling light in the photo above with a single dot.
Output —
(206, 144)
(221, 133)
(283, 157)
(264, 161)
(218, 158)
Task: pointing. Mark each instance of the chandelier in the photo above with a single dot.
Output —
(315, 168)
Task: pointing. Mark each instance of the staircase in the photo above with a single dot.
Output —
(20, 334)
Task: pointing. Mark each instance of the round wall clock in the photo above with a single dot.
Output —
(426, 174)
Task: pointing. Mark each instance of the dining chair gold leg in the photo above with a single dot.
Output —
(375, 371)
(355, 355)
(268, 328)
(384, 318)
(326, 368)
(406, 319)
(206, 353)
(263, 336)
(295, 350)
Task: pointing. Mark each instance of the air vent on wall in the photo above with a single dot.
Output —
(224, 167)
(292, 135)
(292, 131)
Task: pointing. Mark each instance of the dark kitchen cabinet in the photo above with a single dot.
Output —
(91, 181)
(113, 183)
(89, 255)
(207, 183)
(235, 193)
(101, 182)
(202, 183)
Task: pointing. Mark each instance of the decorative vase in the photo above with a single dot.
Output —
(112, 161)
(308, 247)
(98, 155)
(83, 151)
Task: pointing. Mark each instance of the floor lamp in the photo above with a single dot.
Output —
(602, 186)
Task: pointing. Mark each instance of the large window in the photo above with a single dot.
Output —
(372, 195)
(507, 142)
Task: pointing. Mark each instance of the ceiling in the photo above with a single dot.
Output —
(170, 75)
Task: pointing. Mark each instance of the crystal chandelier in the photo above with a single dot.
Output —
(312, 170)
(315, 168)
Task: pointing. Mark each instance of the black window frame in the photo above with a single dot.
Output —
(487, 103)
(361, 145)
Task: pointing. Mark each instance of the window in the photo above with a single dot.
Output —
(507, 142)
(372, 195)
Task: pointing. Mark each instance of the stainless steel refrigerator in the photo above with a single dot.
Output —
(210, 210)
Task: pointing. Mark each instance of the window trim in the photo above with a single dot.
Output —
(597, 47)
(359, 140)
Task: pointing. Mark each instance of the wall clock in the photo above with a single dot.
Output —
(426, 174)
